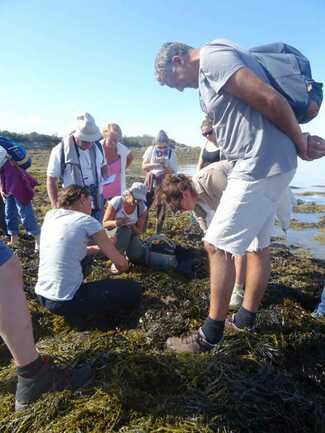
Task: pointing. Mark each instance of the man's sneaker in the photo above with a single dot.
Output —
(195, 342)
(50, 378)
(236, 298)
(231, 326)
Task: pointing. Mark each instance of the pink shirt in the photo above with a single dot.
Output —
(112, 179)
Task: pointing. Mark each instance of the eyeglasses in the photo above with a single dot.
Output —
(207, 133)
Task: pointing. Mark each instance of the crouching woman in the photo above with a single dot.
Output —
(65, 237)
(128, 214)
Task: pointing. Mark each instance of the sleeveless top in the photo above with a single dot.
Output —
(210, 157)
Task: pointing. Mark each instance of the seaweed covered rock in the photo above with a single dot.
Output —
(270, 380)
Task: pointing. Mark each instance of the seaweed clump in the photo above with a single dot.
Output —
(271, 380)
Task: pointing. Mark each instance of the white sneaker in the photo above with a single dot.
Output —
(114, 270)
(236, 298)
(37, 244)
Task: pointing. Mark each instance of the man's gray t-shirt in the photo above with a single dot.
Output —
(64, 238)
(259, 148)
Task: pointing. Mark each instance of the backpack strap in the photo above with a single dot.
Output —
(62, 158)
(100, 148)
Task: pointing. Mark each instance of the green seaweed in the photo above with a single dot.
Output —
(271, 380)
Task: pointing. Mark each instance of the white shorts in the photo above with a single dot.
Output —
(244, 218)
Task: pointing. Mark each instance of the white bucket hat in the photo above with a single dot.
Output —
(86, 128)
(139, 191)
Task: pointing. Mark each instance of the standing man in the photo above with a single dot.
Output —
(78, 160)
(257, 129)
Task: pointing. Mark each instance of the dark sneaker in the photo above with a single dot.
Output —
(195, 342)
(230, 325)
(51, 378)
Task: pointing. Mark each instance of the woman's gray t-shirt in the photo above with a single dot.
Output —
(259, 148)
(64, 238)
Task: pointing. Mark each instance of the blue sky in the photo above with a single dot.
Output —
(65, 57)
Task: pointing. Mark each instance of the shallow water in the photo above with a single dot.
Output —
(313, 218)
(303, 239)
(317, 199)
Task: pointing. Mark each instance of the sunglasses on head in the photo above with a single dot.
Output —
(207, 133)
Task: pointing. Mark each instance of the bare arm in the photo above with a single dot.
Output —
(129, 159)
(109, 220)
(147, 165)
(247, 86)
(107, 247)
(139, 227)
(200, 161)
(316, 146)
(52, 190)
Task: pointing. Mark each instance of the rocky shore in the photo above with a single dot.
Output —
(271, 380)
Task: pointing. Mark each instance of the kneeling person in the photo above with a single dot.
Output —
(128, 214)
(65, 235)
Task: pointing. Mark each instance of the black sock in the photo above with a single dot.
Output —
(31, 369)
(213, 330)
(244, 318)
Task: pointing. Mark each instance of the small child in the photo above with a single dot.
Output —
(17, 190)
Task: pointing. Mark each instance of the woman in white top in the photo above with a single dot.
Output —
(128, 213)
(65, 237)
(158, 160)
(117, 159)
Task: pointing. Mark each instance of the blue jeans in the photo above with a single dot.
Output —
(98, 214)
(321, 306)
(14, 210)
(5, 253)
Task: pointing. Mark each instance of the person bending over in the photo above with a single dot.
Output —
(202, 195)
(65, 236)
(256, 127)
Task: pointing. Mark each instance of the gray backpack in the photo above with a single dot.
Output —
(289, 72)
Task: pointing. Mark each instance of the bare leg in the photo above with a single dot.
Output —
(15, 322)
(240, 265)
(222, 277)
(238, 290)
(257, 277)
(13, 240)
(161, 210)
